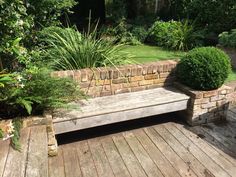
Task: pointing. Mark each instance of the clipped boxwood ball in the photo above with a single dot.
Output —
(204, 68)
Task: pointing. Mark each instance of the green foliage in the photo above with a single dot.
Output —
(15, 140)
(204, 68)
(116, 9)
(175, 35)
(1, 133)
(125, 33)
(68, 50)
(20, 22)
(215, 15)
(35, 91)
(228, 39)
(47, 12)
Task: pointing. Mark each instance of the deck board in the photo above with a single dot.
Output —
(167, 149)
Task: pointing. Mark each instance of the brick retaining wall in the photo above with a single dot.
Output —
(98, 82)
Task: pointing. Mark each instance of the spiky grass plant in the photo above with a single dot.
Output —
(70, 50)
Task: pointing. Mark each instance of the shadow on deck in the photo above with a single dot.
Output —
(154, 146)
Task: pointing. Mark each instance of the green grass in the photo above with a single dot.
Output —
(145, 53)
(231, 77)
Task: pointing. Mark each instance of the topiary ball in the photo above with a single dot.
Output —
(204, 68)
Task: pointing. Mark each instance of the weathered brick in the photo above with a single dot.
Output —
(223, 92)
(159, 81)
(136, 89)
(105, 93)
(129, 85)
(210, 93)
(164, 75)
(134, 71)
(115, 74)
(151, 77)
(120, 80)
(103, 82)
(139, 71)
(200, 101)
(145, 82)
(208, 105)
(136, 78)
(216, 98)
(84, 75)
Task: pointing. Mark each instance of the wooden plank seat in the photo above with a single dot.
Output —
(117, 108)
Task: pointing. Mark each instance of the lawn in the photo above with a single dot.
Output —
(145, 53)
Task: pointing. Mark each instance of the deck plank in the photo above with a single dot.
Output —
(129, 158)
(159, 159)
(16, 161)
(71, 161)
(194, 164)
(210, 165)
(116, 162)
(87, 165)
(148, 165)
(4, 149)
(100, 159)
(56, 165)
(182, 167)
(217, 145)
(37, 161)
(217, 157)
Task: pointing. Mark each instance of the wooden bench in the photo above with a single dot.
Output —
(118, 108)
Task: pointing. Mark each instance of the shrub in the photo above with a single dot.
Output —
(175, 35)
(214, 15)
(34, 91)
(140, 33)
(204, 68)
(68, 50)
(228, 39)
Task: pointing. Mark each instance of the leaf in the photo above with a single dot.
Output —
(26, 104)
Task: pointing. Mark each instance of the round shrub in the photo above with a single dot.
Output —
(204, 68)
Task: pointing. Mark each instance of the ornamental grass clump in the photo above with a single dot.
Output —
(204, 68)
(68, 49)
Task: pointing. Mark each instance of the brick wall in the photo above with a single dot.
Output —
(98, 82)
(206, 106)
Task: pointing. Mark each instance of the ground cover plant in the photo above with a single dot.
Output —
(204, 68)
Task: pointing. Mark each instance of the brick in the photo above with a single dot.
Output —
(84, 84)
(139, 71)
(220, 103)
(84, 76)
(223, 92)
(134, 71)
(115, 74)
(136, 78)
(145, 82)
(210, 93)
(103, 82)
(136, 89)
(200, 101)
(144, 70)
(104, 74)
(151, 77)
(159, 81)
(129, 85)
(119, 81)
(208, 105)
(106, 88)
(105, 93)
(216, 98)
(150, 69)
(164, 75)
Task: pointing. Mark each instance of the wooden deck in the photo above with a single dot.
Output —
(32, 161)
(169, 149)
